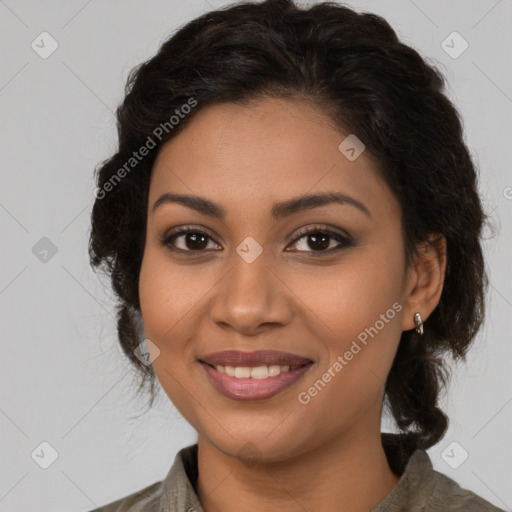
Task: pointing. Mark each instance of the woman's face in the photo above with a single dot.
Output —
(247, 279)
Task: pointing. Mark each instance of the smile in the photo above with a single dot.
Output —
(249, 376)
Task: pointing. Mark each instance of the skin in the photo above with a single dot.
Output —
(327, 454)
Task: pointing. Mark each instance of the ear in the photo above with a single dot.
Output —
(425, 279)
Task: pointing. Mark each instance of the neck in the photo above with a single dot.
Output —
(349, 473)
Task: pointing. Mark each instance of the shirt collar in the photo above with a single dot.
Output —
(412, 464)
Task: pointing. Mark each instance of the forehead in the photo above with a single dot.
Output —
(264, 152)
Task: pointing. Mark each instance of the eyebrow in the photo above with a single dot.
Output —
(278, 211)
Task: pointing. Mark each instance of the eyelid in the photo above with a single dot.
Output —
(320, 228)
(180, 231)
(188, 228)
(346, 239)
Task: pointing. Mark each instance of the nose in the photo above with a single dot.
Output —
(252, 297)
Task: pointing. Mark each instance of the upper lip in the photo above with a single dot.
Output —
(257, 358)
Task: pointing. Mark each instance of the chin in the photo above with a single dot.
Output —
(260, 444)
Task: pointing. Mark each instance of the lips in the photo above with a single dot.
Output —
(258, 358)
(289, 368)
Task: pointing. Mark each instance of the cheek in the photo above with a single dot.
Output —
(364, 331)
(350, 296)
(167, 301)
(357, 312)
(166, 295)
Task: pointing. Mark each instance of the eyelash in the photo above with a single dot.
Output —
(345, 241)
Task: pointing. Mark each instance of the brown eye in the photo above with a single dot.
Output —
(190, 240)
(320, 240)
(316, 240)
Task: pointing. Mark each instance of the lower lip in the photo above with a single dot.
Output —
(253, 389)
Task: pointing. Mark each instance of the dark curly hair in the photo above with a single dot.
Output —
(353, 66)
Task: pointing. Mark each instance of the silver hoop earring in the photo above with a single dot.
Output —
(419, 323)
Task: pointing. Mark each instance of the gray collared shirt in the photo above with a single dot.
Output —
(420, 487)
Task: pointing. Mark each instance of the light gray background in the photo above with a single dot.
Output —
(63, 378)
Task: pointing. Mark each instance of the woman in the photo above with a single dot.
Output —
(292, 226)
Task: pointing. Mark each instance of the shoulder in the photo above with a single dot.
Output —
(421, 487)
(144, 500)
(167, 494)
(448, 496)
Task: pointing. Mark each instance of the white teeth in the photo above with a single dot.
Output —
(274, 370)
(259, 372)
(242, 372)
(255, 372)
